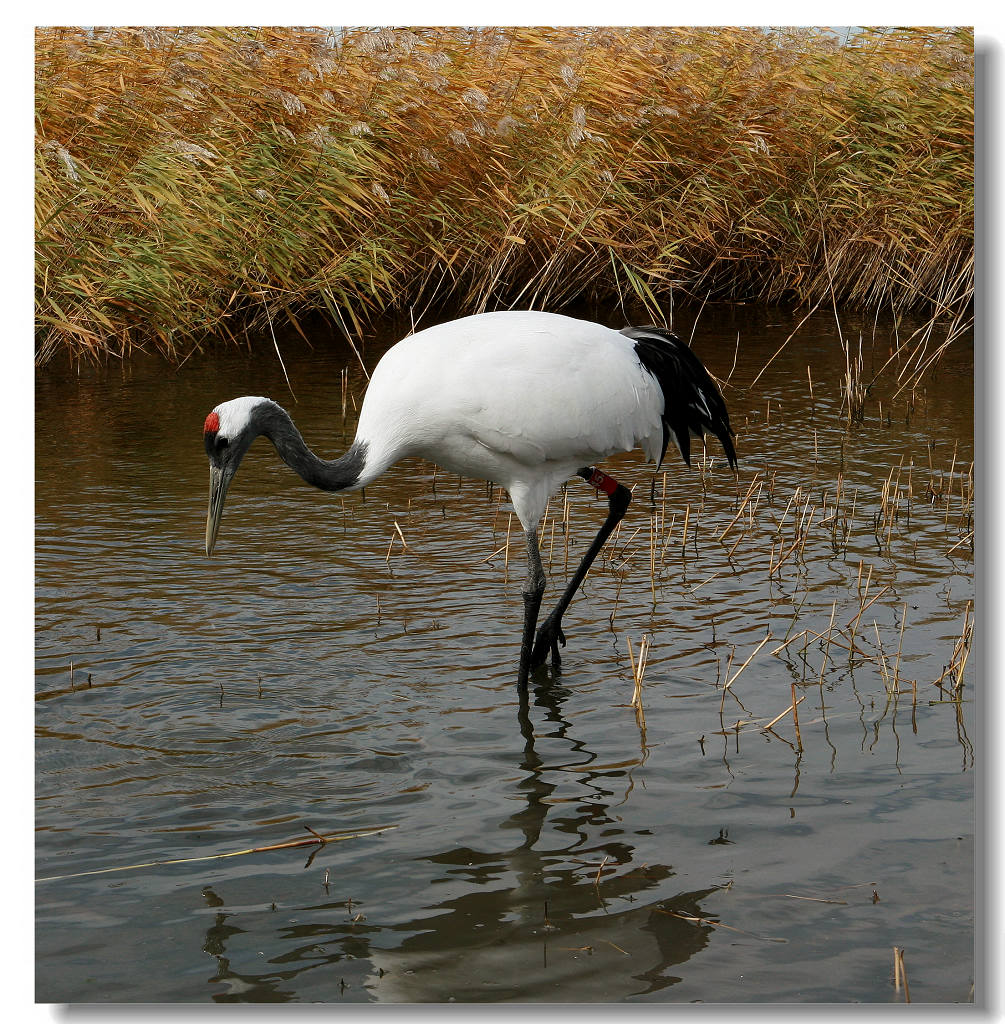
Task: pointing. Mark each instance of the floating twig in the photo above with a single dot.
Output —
(616, 946)
(716, 924)
(320, 840)
(811, 899)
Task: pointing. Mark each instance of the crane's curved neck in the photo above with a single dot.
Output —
(337, 475)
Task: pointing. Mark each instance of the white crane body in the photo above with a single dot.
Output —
(522, 399)
(526, 400)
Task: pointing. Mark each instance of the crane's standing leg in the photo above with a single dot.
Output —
(532, 593)
(550, 634)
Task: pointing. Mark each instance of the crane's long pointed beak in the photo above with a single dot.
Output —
(219, 481)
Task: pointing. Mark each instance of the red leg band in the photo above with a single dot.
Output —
(602, 482)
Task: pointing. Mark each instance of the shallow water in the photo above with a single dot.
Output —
(316, 672)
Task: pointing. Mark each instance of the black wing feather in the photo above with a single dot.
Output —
(692, 403)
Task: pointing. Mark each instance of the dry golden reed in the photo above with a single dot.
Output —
(195, 182)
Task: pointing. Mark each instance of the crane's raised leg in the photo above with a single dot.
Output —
(550, 634)
(532, 593)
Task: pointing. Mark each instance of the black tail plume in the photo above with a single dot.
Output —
(692, 403)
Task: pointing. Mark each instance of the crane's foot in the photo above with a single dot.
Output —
(549, 636)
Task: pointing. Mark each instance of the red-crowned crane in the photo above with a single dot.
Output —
(524, 399)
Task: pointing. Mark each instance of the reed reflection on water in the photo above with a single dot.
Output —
(345, 662)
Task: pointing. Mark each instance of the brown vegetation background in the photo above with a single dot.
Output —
(198, 182)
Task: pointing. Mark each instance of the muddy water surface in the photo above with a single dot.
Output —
(317, 672)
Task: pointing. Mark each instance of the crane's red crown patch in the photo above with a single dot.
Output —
(212, 424)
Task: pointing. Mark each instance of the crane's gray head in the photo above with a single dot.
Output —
(229, 430)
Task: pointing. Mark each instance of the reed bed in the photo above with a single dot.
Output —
(198, 182)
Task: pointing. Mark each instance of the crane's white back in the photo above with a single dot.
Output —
(524, 399)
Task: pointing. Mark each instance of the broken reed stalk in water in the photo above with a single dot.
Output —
(638, 671)
(795, 716)
(390, 545)
(743, 504)
(750, 658)
(727, 688)
(652, 556)
(827, 646)
(788, 709)
(900, 973)
(961, 651)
